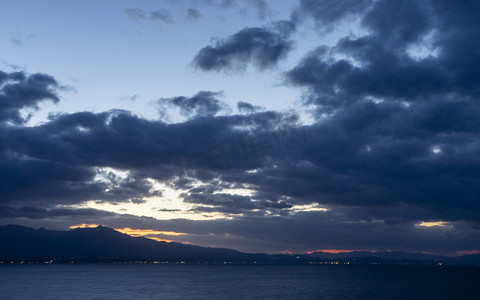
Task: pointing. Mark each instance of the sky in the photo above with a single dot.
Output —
(260, 126)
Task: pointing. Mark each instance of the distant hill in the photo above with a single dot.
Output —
(388, 257)
(19, 242)
(102, 244)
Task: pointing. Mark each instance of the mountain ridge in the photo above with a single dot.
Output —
(106, 244)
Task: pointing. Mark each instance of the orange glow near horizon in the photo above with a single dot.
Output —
(84, 225)
(468, 252)
(433, 224)
(143, 232)
(146, 233)
(137, 232)
(157, 239)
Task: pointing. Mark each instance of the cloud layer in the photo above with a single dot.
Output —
(394, 141)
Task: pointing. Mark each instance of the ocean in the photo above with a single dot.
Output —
(151, 281)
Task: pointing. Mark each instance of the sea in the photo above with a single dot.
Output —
(152, 281)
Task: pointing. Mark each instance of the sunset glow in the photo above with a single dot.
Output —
(433, 224)
(468, 252)
(143, 232)
(84, 226)
(158, 239)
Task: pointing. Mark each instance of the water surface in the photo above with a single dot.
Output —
(120, 281)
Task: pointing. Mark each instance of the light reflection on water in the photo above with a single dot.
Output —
(237, 282)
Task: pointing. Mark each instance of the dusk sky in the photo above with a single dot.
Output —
(260, 126)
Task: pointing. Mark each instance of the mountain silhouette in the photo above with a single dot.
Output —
(19, 242)
(102, 244)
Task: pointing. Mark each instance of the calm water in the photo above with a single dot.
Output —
(237, 282)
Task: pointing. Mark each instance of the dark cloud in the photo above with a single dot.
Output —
(30, 212)
(110, 156)
(398, 107)
(51, 182)
(248, 108)
(202, 104)
(262, 47)
(365, 156)
(60, 162)
(384, 64)
(19, 90)
(168, 210)
(232, 204)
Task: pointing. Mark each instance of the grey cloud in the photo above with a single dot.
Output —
(193, 14)
(232, 204)
(136, 14)
(21, 38)
(202, 104)
(326, 12)
(248, 108)
(31, 212)
(262, 47)
(224, 3)
(161, 15)
(261, 7)
(384, 67)
(19, 90)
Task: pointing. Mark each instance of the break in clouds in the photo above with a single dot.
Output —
(394, 142)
